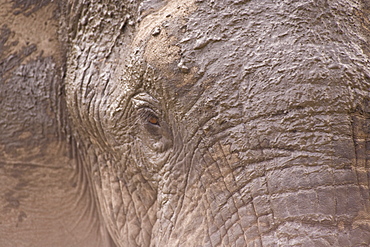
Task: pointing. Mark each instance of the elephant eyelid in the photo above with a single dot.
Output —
(144, 100)
(146, 105)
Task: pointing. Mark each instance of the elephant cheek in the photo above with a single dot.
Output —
(202, 200)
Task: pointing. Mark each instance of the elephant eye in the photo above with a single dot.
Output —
(150, 119)
(153, 119)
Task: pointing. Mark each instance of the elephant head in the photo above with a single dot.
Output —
(225, 123)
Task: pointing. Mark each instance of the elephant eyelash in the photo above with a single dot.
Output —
(150, 117)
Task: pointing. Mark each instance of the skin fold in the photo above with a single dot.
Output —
(192, 123)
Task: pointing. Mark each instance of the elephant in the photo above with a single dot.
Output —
(185, 123)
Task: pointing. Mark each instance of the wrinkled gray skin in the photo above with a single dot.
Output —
(185, 123)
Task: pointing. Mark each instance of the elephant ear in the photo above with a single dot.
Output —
(37, 158)
(31, 71)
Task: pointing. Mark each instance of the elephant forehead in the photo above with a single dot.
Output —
(157, 41)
